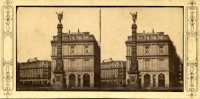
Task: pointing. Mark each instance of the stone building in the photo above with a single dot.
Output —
(113, 73)
(75, 59)
(158, 64)
(81, 59)
(34, 72)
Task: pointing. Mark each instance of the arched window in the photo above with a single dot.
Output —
(147, 80)
(161, 80)
(72, 80)
(86, 80)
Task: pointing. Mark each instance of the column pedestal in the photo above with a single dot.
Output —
(59, 82)
(133, 81)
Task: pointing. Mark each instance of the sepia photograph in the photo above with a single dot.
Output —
(100, 48)
(126, 49)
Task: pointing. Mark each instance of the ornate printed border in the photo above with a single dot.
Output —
(7, 68)
(191, 48)
(191, 37)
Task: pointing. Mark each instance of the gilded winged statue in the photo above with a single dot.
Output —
(60, 16)
(134, 16)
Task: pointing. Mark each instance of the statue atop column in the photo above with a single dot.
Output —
(60, 16)
(134, 17)
(134, 25)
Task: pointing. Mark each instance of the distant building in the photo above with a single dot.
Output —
(158, 63)
(34, 72)
(81, 60)
(113, 73)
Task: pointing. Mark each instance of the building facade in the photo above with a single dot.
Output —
(113, 73)
(34, 72)
(158, 63)
(81, 59)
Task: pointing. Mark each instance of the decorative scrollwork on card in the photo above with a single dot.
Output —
(191, 77)
(7, 48)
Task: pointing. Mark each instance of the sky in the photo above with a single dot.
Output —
(37, 25)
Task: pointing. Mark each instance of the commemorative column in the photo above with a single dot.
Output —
(59, 70)
(133, 70)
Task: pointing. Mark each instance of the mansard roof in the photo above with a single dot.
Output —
(150, 37)
(76, 37)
